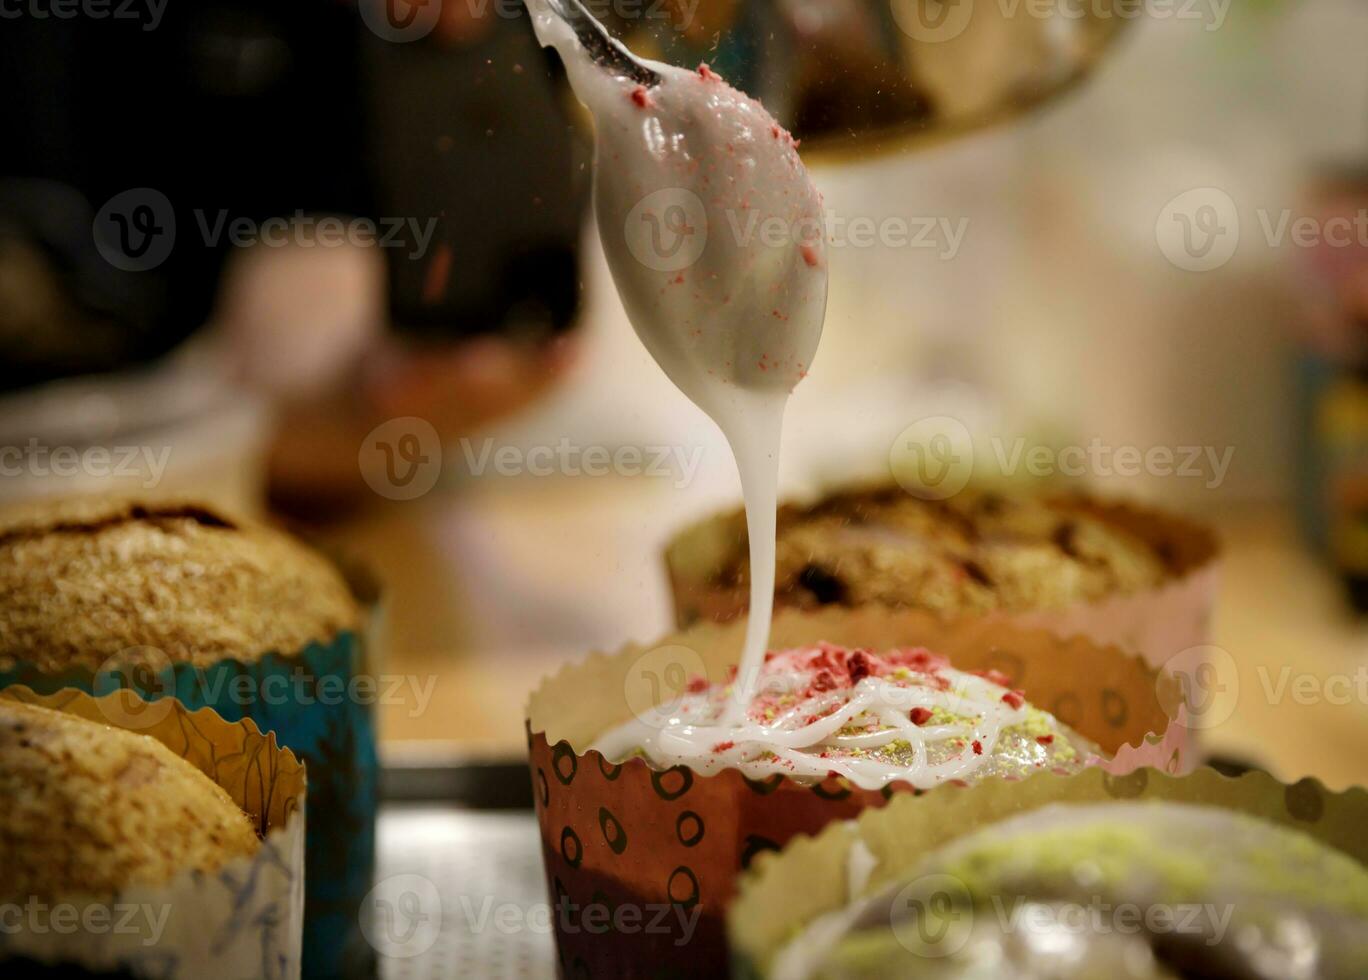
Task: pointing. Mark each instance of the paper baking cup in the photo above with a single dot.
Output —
(782, 893)
(305, 699)
(657, 852)
(1158, 623)
(243, 920)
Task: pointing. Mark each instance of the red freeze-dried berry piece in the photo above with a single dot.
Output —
(723, 746)
(697, 685)
(920, 715)
(823, 682)
(996, 676)
(641, 97)
(706, 73)
(978, 747)
(860, 667)
(1044, 739)
(1013, 699)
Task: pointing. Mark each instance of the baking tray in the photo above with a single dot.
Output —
(463, 837)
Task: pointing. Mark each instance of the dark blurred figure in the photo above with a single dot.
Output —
(172, 164)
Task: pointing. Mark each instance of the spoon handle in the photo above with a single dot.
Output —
(604, 50)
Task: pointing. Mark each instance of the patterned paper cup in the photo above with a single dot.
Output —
(1160, 624)
(784, 894)
(244, 920)
(641, 862)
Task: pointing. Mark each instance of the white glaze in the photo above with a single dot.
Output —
(693, 731)
(716, 242)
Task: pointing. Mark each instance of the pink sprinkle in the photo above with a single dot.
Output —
(641, 97)
(810, 255)
(706, 73)
(995, 676)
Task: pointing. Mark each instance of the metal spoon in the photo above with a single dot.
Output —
(604, 50)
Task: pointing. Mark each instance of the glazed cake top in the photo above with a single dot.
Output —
(873, 718)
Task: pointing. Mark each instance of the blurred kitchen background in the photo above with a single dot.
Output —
(363, 394)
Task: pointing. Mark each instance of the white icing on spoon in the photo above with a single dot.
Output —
(715, 238)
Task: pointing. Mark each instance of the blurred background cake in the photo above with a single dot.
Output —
(972, 553)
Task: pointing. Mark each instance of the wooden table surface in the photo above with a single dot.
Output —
(492, 587)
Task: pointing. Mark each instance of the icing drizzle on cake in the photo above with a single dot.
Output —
(818, 711)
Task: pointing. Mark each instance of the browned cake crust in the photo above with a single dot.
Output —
(84, 580)
(974, 553)
(90, 810)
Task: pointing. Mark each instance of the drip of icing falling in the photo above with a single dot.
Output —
(729, 311)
